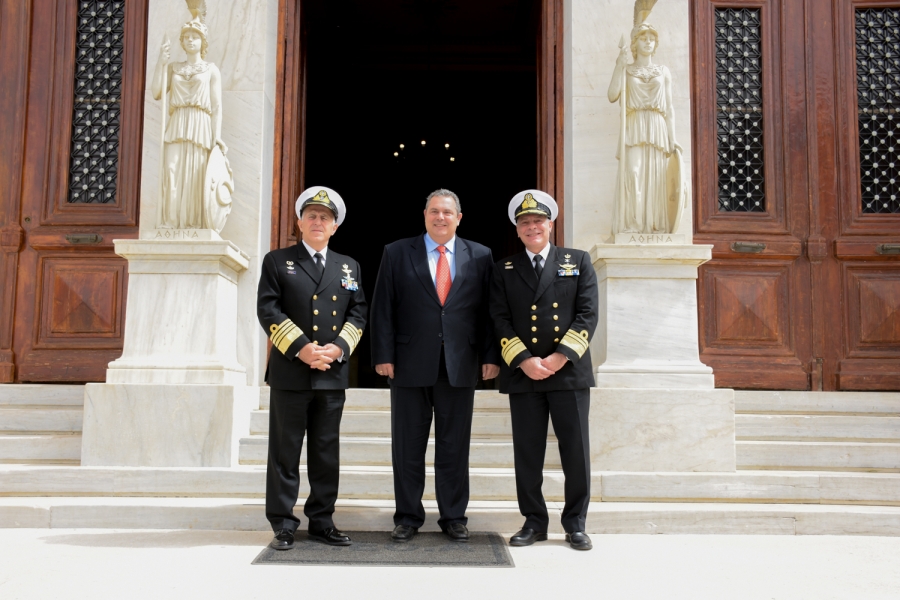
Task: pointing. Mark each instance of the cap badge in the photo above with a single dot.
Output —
(529, 202)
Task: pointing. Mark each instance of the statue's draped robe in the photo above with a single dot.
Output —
(189, 139)
(644, 209)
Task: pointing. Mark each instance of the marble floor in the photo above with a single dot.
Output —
(100, 564)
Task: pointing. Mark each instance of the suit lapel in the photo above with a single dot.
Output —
(306, 262)
(525, 269)
(548, 274)
(462, 257)
(333, 265)
(419, 258)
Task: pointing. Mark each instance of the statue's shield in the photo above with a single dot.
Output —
(217, 190)
(676, 188)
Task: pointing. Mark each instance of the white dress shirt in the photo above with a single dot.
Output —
(312, 251)
(543, 253)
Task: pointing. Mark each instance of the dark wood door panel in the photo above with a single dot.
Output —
(67, 303)
(748, 331)
(81, 301)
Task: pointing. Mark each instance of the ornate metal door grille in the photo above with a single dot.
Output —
(878, 98)
(95, 120)
(739, 115)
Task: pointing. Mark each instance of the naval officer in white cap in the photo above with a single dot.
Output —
(544, 309)
(311, 305)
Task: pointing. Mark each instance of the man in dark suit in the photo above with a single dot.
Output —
(430, 332)
(311, 304)
(544, 307)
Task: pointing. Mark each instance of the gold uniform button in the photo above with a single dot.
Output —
(315, 342)
(534, 340)
(555, 305)
(555, 318)
(534, 317)
(315, 312)
(334, 298)
(556, 329)
(534, 328)
(533, 307)
(315, 327)
(334, 327)
(315, 297)
(334, 313)
(556, 340)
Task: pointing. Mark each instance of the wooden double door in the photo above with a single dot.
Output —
(796, 127)
(70, 142)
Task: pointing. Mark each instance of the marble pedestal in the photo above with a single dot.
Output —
(647, 336)
(177, 396)
(655, 406)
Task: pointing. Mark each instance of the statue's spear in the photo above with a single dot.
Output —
(623, 103)
(162, 136)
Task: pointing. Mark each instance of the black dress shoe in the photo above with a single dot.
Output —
(403, 533)
(457, 532)
(283, 540)
(579, 540)
(330, 536)
(526, 537)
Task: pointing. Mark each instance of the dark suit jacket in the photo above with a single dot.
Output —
(537, 318)
(294, 308)
(409, 325)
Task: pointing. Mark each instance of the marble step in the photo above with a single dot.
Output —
(380, 399)
(871, 403)
(377, 451)
(503, 517)
(42, 448)
(817, 428)
(378, 423)
(35, 395)
(486, 484)
(53, 419)
(819, 456)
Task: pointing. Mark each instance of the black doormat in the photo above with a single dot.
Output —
(375, 548)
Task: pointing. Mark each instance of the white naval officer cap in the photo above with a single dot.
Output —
(322, 196)
(532, 202)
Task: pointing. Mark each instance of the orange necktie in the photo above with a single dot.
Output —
(442, 277)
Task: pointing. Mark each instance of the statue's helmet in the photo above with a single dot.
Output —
(197, 26)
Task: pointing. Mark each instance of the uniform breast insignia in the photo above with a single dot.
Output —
(509, 265)
(347, 282)
(290, 268)
(567, 269)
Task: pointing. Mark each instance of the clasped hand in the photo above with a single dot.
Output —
(320, 357)
(542, 368)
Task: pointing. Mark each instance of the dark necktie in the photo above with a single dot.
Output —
(538, 269)
(320, 264)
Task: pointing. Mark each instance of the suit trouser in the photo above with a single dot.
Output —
(411, 413)
(317, 412)
(569, 411)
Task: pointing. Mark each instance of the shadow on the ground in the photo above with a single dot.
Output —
(160, 539)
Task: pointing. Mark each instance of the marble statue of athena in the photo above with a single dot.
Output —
(649, 189)
(193, 151)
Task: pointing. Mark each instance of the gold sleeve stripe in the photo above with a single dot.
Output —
(351, 335)
(576, 341)
(510, 349)
(284, 335)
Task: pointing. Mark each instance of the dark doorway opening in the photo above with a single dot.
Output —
(404, 97)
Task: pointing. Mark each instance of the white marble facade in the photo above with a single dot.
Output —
(242, 43)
